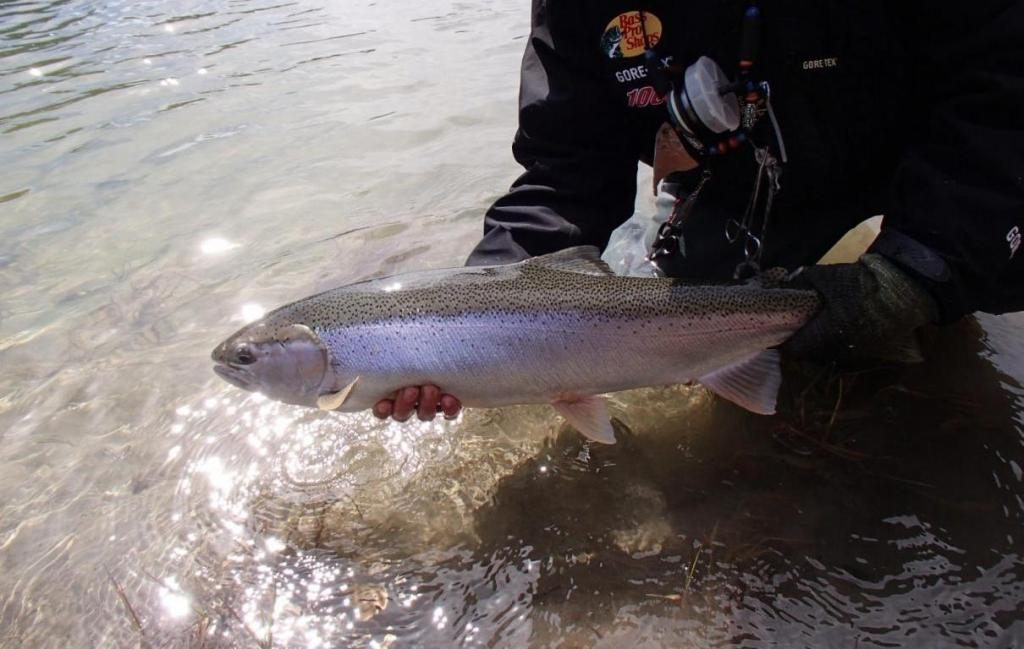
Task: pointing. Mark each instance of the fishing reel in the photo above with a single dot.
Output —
(714, 116)
(711, 114)
(704, 111)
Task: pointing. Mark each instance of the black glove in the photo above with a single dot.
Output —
(869, 311)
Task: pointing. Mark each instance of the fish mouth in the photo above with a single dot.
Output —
(236, 376)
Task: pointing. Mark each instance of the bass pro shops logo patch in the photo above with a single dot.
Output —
(624, 37)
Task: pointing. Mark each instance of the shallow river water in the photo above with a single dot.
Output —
(170, 169)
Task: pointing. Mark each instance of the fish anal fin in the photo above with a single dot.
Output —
(334, 400)
(588, 415)
(752, 383)
(579, 259)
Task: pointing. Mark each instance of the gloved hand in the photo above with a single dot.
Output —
(870, 310)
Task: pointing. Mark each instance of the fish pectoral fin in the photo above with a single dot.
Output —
(334, 400)
(588, 415)
(752, 383)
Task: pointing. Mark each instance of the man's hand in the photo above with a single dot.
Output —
(425, 400)
(869, 311)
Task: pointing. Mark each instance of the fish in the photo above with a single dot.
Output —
(561, 329)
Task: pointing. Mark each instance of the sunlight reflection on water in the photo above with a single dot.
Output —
(216, 245)
(290, 461)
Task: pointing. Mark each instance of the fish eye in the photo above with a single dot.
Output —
(244, 355)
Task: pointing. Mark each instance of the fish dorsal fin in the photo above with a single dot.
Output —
(769, 278)
(581, 259)
(589, 415)
(752, 383)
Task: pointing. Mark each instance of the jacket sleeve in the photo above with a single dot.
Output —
(574, 141)
(957, 210)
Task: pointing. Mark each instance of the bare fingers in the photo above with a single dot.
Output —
(405, 403)
(426, 401)
(430, 400)
(383, 408)
(450, 406)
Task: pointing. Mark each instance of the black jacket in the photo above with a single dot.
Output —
(910, 109)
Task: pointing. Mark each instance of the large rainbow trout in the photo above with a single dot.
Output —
(558, 329)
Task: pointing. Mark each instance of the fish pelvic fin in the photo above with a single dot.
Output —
(579, 259)
(334, 400)
(588, 415)
(752, 383)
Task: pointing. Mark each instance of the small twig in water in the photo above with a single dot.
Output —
(908, 481)
(674, 597)
(836, 450)
(835, 410)
(544, 593)
(131, 610)
(355, 505)
(201, 629)
(245, 625)
(693, 567)
(273, 607)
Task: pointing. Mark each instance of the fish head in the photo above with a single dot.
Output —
(287, 362)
